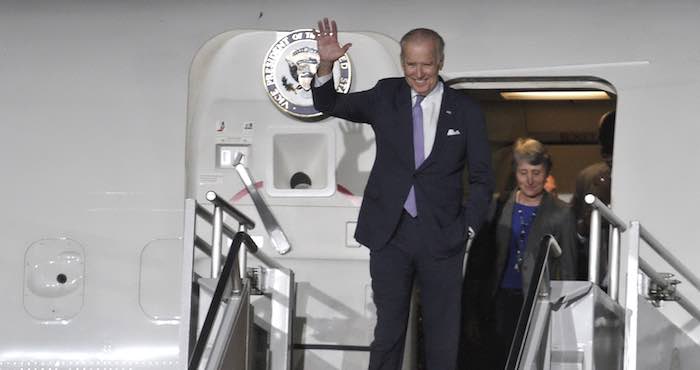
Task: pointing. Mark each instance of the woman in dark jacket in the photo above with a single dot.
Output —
(502, 259)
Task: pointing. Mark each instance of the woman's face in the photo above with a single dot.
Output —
(531, 179)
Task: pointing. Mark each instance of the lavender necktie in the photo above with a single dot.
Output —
(418, 155)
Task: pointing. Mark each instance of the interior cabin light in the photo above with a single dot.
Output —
(555, 95)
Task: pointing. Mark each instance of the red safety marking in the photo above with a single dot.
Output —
(243, 192)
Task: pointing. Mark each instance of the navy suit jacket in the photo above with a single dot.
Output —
(438, 181)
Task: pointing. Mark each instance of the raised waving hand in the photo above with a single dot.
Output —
(329, 50)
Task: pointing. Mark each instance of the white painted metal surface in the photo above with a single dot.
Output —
(587, 327)
(666, 346)
(95, 102)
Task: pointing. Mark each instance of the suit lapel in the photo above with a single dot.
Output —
(404, 130)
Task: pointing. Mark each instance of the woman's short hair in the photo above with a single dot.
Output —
(531, 151)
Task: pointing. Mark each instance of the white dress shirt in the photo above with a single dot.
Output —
(431, 112)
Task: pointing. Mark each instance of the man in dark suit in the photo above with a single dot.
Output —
(412, 217)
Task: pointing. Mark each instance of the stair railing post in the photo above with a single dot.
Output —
(216, 243)
(594, 246)
(631, 293)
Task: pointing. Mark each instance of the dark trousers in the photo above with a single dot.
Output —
(393, 269)
(506, 311)
(496, 333)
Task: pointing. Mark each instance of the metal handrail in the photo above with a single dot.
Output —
(634, 263)
(214, 250)
(528, 329)
(659, 280)
(644, 234)
(209, 217)
(205, 247)
(278, 238)
(282, 291)
(601, 209)
(230, 210)
(554, 247)
(606, 212)
(229, 268)
(668, 257)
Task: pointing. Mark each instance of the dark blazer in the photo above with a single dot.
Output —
(438, 181)
(489, 253)
(594, 179)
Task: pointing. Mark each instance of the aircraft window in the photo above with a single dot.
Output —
(565, 118)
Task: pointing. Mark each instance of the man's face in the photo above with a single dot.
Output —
(421, 65)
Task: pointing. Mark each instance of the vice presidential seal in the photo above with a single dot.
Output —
(289, 69)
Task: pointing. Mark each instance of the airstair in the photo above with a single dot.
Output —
(238, 317)
(577, 325)
(241, 317)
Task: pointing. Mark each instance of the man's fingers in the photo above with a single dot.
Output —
(328, 27)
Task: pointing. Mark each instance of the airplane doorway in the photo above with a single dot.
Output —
(561, 112)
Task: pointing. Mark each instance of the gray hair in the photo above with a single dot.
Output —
(531, 151)
(422, 34)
